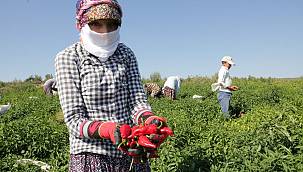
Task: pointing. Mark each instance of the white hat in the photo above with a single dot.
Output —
(229, 60)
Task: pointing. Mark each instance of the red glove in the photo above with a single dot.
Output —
(148, 118)
(155, 136)
(114, 132)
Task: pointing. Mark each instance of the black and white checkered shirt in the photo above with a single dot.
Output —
(93, 90)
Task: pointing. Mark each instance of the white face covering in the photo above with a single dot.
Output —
(101, 45)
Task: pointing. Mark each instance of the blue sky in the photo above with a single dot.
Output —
(173, 37)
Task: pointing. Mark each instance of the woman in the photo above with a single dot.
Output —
(152, 89)
(171, 87)
(100, 89)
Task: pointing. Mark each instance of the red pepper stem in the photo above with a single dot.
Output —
(161, 124)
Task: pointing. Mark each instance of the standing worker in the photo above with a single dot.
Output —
(225, 85)
(100, 91)
(171, 87)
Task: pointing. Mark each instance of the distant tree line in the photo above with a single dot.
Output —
(36, 79)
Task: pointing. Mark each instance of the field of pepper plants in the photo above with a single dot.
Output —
(269, 137)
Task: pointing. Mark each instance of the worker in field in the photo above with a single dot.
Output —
(50, 87)
(101, 94)
(225, 86)
(152, 89)
(171, 87)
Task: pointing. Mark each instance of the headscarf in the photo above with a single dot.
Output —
(90, 10)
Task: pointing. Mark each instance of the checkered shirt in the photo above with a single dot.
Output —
(91, 90)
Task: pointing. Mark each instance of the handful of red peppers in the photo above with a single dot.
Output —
(141, 141)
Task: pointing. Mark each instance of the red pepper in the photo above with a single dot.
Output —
(157, 139)
(143, 130)
(167, 131)
(154, 137)
(125, 131)
(134, 128)
(145, 142)
(132, 143)
(138, 131)
(150, 129)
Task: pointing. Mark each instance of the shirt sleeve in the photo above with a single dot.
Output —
(138, 101)
(69, 90)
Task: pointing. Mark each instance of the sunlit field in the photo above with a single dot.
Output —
(268, 137)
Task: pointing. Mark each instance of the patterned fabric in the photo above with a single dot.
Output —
(103, 11)
(152, 89)
(91, 90)
(87, 162)
(169, 92)
(90, 10)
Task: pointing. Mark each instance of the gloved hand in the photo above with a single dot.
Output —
(145, 140)
(153, 127)
(116, 133)
(149, 118)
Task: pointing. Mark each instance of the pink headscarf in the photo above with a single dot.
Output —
(84, 5)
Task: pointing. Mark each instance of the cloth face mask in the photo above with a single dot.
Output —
(102, 45)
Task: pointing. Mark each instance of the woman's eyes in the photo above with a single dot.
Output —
(96, 24)
(109, 25)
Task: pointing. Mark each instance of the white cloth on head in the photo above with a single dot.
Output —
(224, 79)
(102, 45)
(173, 82)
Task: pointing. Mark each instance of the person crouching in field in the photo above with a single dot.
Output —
(100, 92)
(225, 85)
(50, 87)
(152, 89)
(171, 87)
